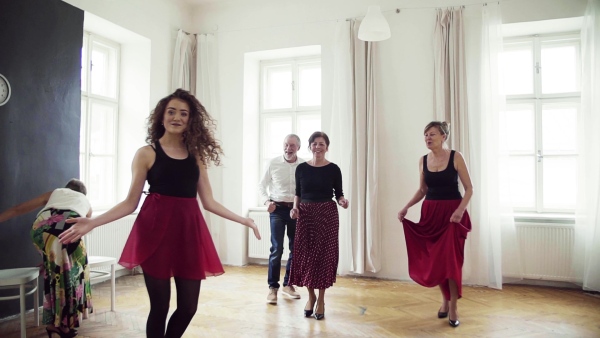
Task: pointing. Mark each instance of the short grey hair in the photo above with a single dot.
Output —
(293, 135)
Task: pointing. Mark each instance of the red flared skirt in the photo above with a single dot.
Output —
(436, 246)
(170, 239)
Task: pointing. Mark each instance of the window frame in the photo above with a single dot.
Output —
(538, 100)
(294, 112)
(91, 98)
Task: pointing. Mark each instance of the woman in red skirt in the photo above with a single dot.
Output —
(316, 246)
(436, 244)
(170, 237)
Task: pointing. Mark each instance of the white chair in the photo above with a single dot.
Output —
(98, 261)
(19, 278)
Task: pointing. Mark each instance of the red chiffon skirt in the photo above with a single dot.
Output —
(170, 239)
(436, 246)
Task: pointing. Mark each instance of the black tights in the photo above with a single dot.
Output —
(159, 290)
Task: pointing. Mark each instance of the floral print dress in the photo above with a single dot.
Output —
(67, 290)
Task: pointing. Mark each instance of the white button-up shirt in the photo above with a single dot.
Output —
(279, 180)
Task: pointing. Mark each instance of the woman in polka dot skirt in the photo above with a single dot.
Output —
(316, 246)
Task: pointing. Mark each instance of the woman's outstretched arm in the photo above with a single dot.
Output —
(25, 207)
(142, 162)
(209, 203)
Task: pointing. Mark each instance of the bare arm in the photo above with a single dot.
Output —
(142, 162)
(25, 207)
(465, 179)
(421, 192)
(295, 212)
(209, 203)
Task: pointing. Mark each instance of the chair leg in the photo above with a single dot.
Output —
(22, 301)
(112, 287)
(36, 303)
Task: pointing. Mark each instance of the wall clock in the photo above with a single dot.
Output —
(4, 90)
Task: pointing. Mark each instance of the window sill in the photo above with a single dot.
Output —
(532, 217)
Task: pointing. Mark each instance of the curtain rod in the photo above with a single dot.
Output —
(397, 10)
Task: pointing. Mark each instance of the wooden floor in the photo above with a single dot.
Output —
(233, 305)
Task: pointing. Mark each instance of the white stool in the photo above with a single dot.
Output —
(18, 278)
(97, 261)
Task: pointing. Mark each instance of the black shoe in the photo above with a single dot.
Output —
(69, 334)
(453, 323)
(319, 316)
(308, 313)
(442, 314)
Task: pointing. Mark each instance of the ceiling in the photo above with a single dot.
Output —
(200, 2)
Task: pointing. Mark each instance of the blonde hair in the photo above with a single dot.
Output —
(442, 127)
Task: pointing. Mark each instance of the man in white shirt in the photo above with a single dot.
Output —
(278, 188)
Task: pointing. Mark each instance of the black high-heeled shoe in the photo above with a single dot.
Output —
(308, 313)
(453, 323)
(319, 316)
(69, 334)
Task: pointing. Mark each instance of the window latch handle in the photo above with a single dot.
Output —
(539, 156)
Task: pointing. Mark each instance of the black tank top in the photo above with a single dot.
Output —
(173, 177)
(442, 185)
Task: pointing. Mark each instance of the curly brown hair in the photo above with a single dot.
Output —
(199, 136)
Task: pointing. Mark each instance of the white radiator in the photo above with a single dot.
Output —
(262, 248)
(546, 251)
(109, 239)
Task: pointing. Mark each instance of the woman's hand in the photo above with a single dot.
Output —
(343, 202)
(402, 213)
(457, 216)
(80, 227)
(294, 213)
(250, 224)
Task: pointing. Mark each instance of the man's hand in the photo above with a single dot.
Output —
(271, 206)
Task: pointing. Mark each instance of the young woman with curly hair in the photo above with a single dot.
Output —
(170, 237)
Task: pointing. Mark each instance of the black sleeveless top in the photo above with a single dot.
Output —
(173, 177)
(442, 185)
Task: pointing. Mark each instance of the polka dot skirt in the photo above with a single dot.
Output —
(316, 246)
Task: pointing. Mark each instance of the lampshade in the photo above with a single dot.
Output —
(374, 26)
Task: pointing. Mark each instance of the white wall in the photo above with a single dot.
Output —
(404, 88)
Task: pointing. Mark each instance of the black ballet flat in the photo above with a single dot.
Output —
(442, 314)
(453, 323)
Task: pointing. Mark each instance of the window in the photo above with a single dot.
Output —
(541, 121)
(290, 102)
(99, 111)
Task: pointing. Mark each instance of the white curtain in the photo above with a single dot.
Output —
(354, 121)
(205, 58)
(450, 77)
(587, 255)
(492, 241)
(184, 67)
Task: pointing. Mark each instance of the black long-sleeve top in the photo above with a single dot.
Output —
(318, 183)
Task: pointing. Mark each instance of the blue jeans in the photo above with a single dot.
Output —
(279, 219)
